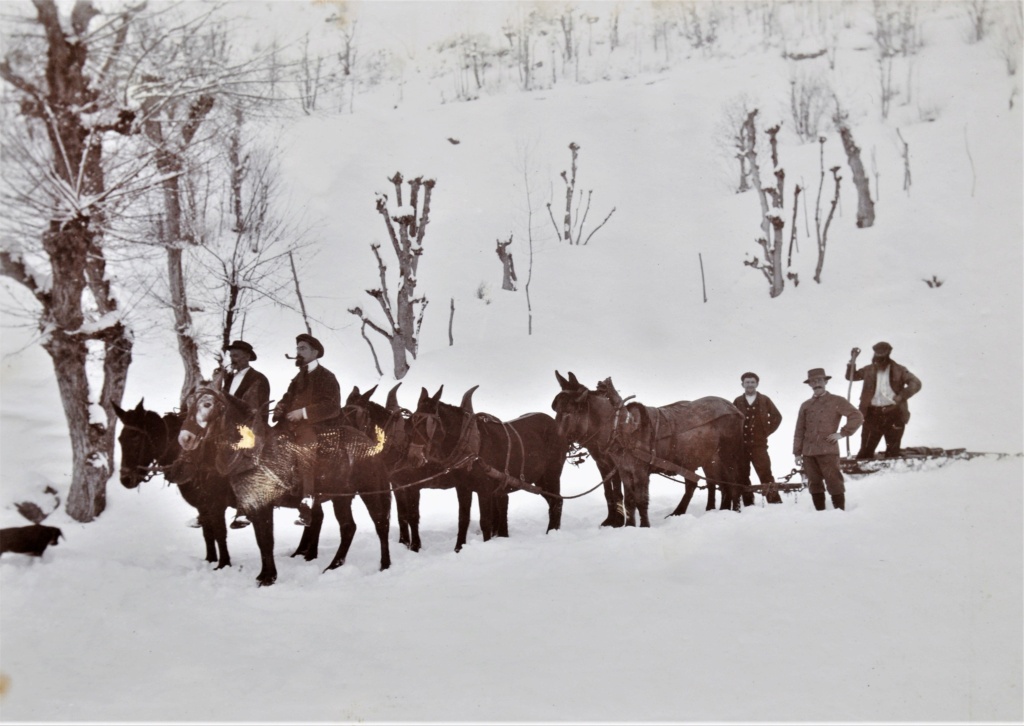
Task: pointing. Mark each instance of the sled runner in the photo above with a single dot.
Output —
(911, 459)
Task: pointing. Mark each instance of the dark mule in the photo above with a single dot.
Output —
(705, 434)
(260, 463)
(579, 418)
(391, 419)
(491, 455)
(149, 443)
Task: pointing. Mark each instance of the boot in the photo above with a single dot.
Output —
(819, 501)
(305, 512)
(838, 501)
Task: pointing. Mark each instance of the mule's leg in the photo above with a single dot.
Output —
(412, 503)
(613, 498)
(404, 525)
(263, 527)
(501, 514)
(220, 534)
(465, 495)
(553, 485)
(712, 489)
(209, 538)
(347, 524)
(309, 542)
(379, 508)
(643, 498)
(485, 499)
(691, 487)
(629, 500)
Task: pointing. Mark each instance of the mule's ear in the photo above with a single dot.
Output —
(353, 396)
(561, 381)
(572, 380)
(366, 396)
(392, 402)
(119, 412)
(467, 399)
(437, 396)
(140, 407)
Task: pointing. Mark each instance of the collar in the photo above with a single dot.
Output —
(312, 366)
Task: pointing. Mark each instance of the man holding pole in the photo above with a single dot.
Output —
(883, 399)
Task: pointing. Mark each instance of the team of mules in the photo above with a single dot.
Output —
(229, 457)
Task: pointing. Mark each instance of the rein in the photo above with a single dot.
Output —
(154, 467)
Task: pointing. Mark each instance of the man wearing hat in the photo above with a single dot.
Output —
(760, 420)
(816, 440)
(883, 399)
(313, 396)
(245, 382)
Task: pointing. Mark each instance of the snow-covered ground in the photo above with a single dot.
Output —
(906, 607)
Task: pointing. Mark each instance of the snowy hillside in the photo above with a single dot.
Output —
(908, 606)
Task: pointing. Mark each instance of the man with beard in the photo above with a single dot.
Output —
(313, 396)
(816, 441)
(246, 383)
(883, 399)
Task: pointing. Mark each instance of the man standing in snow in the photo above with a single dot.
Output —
(313, 396)
(760, 420)
(816, 441)
(883, 399)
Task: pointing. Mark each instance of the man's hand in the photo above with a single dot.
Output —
(799, 460)
(854, 353)
(834, 437)
(295, 415)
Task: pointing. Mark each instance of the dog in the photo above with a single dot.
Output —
(31, 540)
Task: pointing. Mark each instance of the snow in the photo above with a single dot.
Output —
(909, 606)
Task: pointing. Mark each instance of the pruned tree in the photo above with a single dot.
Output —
(820, 230)
(809, 97)
(58, 201)
(573, 221)
(865, 205)
(772, 201)
(732, 134)
(508, 267)
(406, 225)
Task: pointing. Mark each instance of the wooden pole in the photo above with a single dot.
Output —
(703, 286)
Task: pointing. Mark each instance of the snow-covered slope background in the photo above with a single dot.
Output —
(908, 606)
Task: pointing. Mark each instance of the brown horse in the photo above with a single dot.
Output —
(489, 455)
(640, 440)
(260, 463)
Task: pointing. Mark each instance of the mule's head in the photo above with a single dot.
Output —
(580, 414)
(205, 406)
(143, 440)
(436, 429)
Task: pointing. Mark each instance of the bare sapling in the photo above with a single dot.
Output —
(403, 312)
(573, 221)
(508, 267)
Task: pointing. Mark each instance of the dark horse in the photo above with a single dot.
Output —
(149, 443)
(260, 463)
(706, 434)
(369, 417)
(490, 455)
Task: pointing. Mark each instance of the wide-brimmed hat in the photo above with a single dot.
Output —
(882, 347)
(313, 342)
(817, 373)
(242, 346)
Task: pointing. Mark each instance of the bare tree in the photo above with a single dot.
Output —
(508, 267)
(977, 13)
(406, 226)
(573, 220)
(865, 206)
(772, 207)
(59, 199)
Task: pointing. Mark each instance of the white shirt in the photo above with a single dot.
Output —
(884, 395)
(237, 380)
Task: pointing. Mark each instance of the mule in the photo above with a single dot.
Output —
(368, 416)
(491, 455)
(260, 464)
(704, 434)
(579, 418)
(149, 443)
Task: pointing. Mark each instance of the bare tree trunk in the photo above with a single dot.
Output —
(865, 207)
(508, 268)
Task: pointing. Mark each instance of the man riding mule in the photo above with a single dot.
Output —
(261, 471)
(674, 439)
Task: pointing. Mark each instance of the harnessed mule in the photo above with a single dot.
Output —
(491, 455)
(260, 464)
(149, 445)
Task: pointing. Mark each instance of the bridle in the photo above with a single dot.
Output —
(426, 427)
(150, 469)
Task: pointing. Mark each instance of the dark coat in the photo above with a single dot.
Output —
(319, 394)
(903, 383)
(31, 540)
(760, 420)
(820, 416)
(254, 391)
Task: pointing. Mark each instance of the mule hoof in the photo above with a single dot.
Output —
(310, 556)
(266, 581)
(334, 565)
(221, 566)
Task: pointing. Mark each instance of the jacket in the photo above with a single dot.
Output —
(254, 391)
(819, 416)
(320, 395)
(760, 420)
(903, 383)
